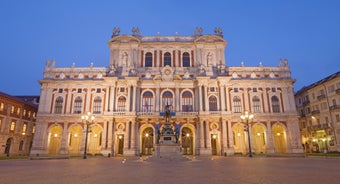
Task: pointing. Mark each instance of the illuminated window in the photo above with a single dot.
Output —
(12, 128)
(33, 129)
(18, 111)
(12, 109)
(0, 123)
(24, 114)
(24, 127)
(2, 106)
(167, 99)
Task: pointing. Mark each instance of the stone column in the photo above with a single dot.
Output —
(109, 136)
(64, 140)
(68, 101)
(222, 95)
(177, 99)
(227, 99)
(270, 141)
(230, 139)
(200, 98)
(224, 135)
(201, 135)
(127, 108)
(126, 136)
(157, 97)
(208, 135)
(133, 135)
(107, 98)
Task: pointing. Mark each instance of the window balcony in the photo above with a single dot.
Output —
(337, 91)
(315, 112)
(307, 102)
(321, 97)
(334, 107)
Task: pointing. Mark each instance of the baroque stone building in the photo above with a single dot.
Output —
(17, 124)
(147, 73)
(319, 108)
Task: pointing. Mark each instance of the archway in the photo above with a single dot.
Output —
(54, 140)
(95, 140)
(259, 139)
(8, 146)
(214, 141)
(75, 140)
(239, 139)
(187, 141)
(147, 141)
(279, 135)
(120, 144)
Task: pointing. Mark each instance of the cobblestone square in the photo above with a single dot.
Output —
(166, 170)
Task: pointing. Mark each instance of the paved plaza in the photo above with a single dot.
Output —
(173, 171)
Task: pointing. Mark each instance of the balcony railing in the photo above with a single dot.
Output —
(334, 107)
(315, 112)
(337, 91)
(307, 102)
(321, 97)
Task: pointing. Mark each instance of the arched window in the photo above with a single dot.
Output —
(186, 59)
(167, 59)
(256, 104)
(77, 105)
(187, 102)
(275, 104)
(148, 59)
(58, 107)
(97, 105)
(167, 99)
(121, 104)
(237, 105)
(147, 102)
(212, 103)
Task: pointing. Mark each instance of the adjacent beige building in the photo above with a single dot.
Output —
(319, 108)
(17, 124)
(146, 73)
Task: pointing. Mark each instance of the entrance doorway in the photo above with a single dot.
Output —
(187, 141)
(120, 144)
(8, 146)
(213, 144)
(147, 141)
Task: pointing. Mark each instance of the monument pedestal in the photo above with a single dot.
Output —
(168, 150)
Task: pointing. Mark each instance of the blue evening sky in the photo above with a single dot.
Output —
(307, 33)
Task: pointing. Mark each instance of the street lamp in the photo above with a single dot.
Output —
(88, 119)
(248, 116)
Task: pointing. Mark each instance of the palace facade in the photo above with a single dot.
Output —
(319, 108)
(189, 75)
(17, 124)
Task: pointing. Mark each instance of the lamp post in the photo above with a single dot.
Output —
(248, 116)
(88, 119)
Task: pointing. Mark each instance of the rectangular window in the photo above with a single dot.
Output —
(331, 89)
(212, 89)
(254, 90)
(24, 114)
(18, 111)
(12, 109)
(99, 90)
(24, 127)
(313, 96)
(79, 90)
(12, 128)
(122, 90)
(2, 106)
(60, 91)
(273, 90)
(337, 118)
(0, 123)
(235, 90)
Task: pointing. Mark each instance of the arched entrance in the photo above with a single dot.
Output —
(75, 140)
(259, 139)
(120, 144)
(239, 139)
(187, 141)
(8, 146)
(54, 140)
(147, 141)
(95, 140)
(279, 135)
(213, 139)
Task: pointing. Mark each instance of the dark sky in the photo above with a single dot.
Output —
(307, 33)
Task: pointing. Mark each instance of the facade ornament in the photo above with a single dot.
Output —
(285, 62)
(260, 64)
(112, 69)
(198, 31)
(218, 31)
(242, 63)
(115, 32)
